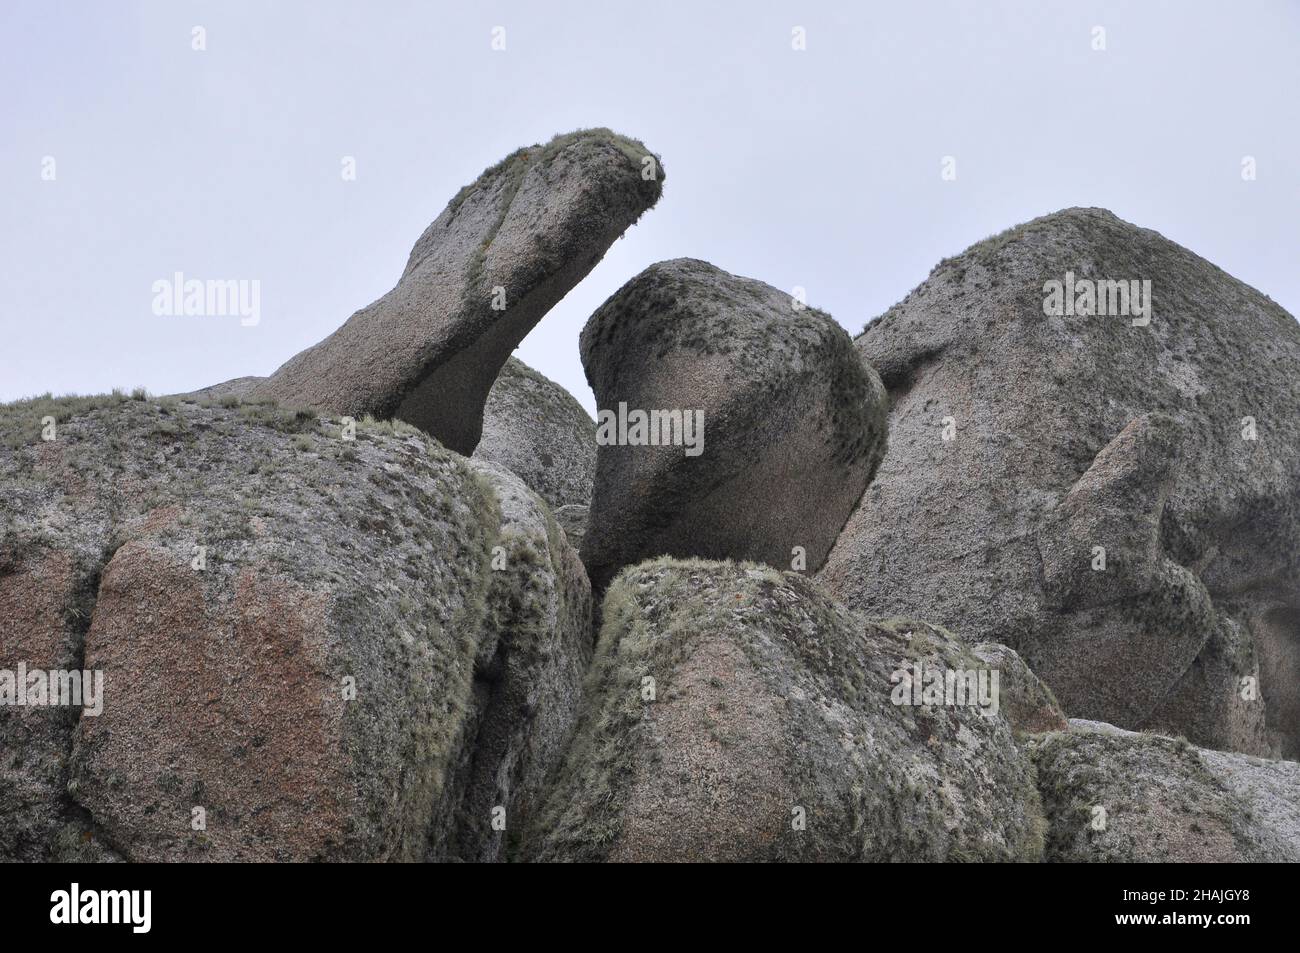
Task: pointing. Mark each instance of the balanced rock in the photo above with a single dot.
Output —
(734, 422)
(1095, 459)
(536, 429)
(502, 253)
(325, 648)
(734, 713)
(1120, 796)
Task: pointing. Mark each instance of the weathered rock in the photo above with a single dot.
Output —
(536, 429)
(1070, 435)
(504, 251)
(300, 635)
(573, 520)
(793, 421)
(772, 734)
(231, 391)
(44, 596)
(1114, 795)
(530, 666)
(47, 594)
(1027, 704)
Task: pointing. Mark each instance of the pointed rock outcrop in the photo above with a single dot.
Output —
(502, 253)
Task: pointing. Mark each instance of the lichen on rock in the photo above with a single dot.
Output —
(734, 712)
(791, 422)
(292, 627)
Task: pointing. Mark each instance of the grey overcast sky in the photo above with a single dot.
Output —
(818, 168)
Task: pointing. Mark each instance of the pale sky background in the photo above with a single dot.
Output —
(818, 168)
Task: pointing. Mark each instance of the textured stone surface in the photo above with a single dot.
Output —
(230, 391)
(386, 648)
(573, 520)
(529, 229)
(1027, 704)
(1071, 433)
(327, 566)
(529, 669)
(770, 704)
(44, 597)
(536, 429)
(794, 422)
(1121, 796)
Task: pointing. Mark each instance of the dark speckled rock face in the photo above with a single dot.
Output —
(792, 422)
(1117, 500)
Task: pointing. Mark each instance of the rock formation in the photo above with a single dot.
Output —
(1026, 703)
(330, 649)
(534, 428)
(734, 713)
(790, 422)
(534, 653)
(573, 520)
(231, 391)
(502, 253)
(1115, 497)
(1113, 795)
(287, 633)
